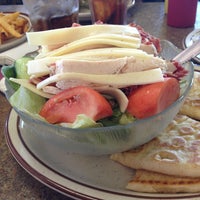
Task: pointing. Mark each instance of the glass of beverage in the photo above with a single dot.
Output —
(109, 11)
(181, 13)
(52, 14)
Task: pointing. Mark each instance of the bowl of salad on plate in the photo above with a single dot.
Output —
(96, 89)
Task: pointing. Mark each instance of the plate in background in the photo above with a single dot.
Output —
(15, 41)
(190, 39)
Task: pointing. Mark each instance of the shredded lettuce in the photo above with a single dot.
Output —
(82, 121)
(126, 118)
(118, 118)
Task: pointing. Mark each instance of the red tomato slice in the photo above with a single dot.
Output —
(151, 99)
(66, 105)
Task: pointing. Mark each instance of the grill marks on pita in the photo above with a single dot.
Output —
(152, 182)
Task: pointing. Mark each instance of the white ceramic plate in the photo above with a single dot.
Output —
(77, 176)
(84, 13)
(15, 41)
(190, 39)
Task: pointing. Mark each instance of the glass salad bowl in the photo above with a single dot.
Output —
(38, 134)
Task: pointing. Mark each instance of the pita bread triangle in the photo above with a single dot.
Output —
(175, 152)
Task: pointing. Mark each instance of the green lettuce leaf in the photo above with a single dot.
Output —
(27, 101)
(118, 118)
(82, 121)
(17, 70)
(8, 72)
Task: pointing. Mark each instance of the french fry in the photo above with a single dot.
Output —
(12, 26)
(9, 28)
(11, 17)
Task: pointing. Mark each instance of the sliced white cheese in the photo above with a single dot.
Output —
(97, 54)
(107, 53)
(113, 80)
(117, 93)
(25, 83)
(37, 70)
(67, 35)
(40, 67)
(92, 43)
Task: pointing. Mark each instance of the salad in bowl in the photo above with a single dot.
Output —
(97, 89)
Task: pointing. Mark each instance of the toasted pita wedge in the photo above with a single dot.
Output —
(152, 182)
(191, 106)
(175, 152)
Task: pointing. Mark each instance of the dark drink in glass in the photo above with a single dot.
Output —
(109, 11)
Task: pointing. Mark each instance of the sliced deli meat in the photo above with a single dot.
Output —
(103, 60)
(148, 40)
(151, 99)
(110, 66)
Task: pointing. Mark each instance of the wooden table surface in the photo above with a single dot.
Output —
(15, 182)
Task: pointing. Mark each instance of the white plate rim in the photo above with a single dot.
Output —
(15, 41)
(188, 42)
(69, 187)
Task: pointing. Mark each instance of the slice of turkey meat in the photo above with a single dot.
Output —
(109, 66)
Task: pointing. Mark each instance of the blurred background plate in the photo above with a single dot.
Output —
(190, 39)
(15, 41)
